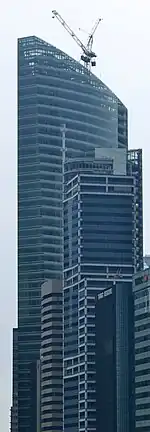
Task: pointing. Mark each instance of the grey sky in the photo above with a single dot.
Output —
(122, 43)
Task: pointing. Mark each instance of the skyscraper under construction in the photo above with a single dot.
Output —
(53, 89)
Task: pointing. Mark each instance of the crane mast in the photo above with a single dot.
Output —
(88, 56)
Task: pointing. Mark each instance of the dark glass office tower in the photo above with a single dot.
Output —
(53, 89)
(105, 330)
(100, 237)
(114, 356)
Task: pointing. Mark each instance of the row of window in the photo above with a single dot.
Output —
(71, 109)
(56, 302)
(143, 349)
(71, 94)
(52, 353)
(65, 73)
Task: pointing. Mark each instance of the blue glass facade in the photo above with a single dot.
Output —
(52, 89)
(100, 244)
(99, 223)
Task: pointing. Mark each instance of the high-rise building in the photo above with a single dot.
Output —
(101, 240)
(51, 357)
(114, 355)
(14, 408)
(53, 89)
(141, 294)
(134, 168)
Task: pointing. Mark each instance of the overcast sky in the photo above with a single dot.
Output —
(122, 43)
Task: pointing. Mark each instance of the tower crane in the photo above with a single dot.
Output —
(88, 55)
